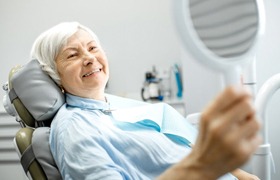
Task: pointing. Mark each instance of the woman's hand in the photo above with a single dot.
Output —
(243, 175)
(228, 132)
(227, 137)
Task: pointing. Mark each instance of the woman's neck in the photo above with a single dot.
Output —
(92, 95)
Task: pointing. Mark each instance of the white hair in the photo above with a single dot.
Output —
(47, 46)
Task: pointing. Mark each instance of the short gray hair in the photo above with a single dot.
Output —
(47, 46)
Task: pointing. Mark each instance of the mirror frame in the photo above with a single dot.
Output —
(195, 46)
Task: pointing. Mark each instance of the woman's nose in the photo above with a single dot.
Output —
(88, 58)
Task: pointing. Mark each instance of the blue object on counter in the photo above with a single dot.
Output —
(178, 81)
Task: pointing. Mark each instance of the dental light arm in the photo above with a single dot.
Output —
(264, 95)
(262, 158)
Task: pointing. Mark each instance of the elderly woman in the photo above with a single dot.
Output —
(90, 141)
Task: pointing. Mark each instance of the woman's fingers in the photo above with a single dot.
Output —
(248, 135)
(249, 128)
(241, 112)
(224, 101)
(233, 106)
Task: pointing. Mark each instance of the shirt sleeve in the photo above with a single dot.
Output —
(85, 153)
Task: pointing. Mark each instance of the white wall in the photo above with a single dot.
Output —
(10, 167)
(136, 35)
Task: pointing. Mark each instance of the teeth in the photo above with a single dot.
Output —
(90, 73)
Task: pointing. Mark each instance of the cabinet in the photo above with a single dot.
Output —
(10, 167)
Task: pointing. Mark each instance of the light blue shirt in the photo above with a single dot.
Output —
(121, 139)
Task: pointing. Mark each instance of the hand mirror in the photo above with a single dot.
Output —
(222, 34)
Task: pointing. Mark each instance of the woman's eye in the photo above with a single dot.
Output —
(71, 55)
(92, 48)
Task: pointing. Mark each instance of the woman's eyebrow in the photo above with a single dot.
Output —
(69, 48)
(75, 48)
(93, 41)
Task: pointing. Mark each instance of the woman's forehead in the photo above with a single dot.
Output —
(80, 37)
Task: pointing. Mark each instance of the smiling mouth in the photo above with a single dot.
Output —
(92, 72)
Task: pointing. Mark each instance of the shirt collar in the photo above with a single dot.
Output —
(86, 103)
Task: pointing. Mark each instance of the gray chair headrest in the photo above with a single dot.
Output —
(34, 94)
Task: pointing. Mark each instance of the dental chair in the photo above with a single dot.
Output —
(33, 98)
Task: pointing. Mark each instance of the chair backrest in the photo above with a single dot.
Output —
(35, 98)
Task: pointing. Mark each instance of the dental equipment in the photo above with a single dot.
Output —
(262, 158)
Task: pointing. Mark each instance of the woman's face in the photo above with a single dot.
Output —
(82, 66)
